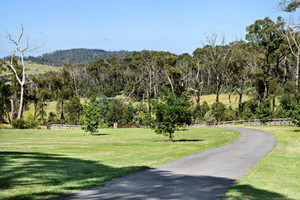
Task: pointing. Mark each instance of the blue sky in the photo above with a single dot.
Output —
(178, 26)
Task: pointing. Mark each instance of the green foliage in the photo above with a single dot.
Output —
(264, 111)
(218, 109)
(172, 113)
(209, 117)
(5, 94)
(91, 117)
(52, 118)
(142, 114)
(73, 110)
(229, 114)
(289, 6)
(32, 122)
(200, 111)
(119, 113)
(19, 124)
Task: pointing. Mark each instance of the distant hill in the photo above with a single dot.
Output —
(76, 56)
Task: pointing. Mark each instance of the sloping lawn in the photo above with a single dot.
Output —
(39, 164)
(277, 176)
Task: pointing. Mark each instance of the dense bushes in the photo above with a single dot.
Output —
(31, 122)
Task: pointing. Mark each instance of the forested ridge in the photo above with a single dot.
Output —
(265, 67)
(76, 56)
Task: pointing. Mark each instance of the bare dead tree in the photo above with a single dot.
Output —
(293, 38)
(220, 57)
(22, 79)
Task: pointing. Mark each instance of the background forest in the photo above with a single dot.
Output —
(261, 72)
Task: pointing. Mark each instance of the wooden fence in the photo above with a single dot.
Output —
(133, 125)
(250, 122)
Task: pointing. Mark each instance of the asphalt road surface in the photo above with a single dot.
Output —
(205, 175)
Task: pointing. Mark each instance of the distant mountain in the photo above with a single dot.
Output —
(76, 56)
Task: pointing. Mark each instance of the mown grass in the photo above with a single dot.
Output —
(39, 164)
(277, 176)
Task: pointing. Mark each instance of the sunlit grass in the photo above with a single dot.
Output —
(39, 164)
(34, 68)
(277, 176)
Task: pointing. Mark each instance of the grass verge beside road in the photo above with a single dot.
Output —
(39, 164)
(277, 176)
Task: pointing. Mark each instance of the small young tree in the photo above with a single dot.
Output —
(91, 117)
(172, 113)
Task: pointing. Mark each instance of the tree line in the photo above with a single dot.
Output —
(75, 56)
(264, 67)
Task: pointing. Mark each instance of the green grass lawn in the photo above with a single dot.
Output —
(277, 176)
(38, 164)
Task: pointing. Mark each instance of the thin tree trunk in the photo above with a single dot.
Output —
(13, 112)
(273, 105)
(297, 73)
(170, 83)
(20, 113)
(62, 113)
(241, 97)
(266, 84)
(42, 117)
(218, 88)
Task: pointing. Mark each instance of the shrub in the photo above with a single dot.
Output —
(229, 114)
(209, 117)
(218, 109)
(32, 122)
(19, 123)
(52, 118)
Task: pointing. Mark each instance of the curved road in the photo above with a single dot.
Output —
(205, 175)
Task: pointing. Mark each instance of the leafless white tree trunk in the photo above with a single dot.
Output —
(293, 38)
(21, 79)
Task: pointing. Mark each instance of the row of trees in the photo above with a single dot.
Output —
(266, 68)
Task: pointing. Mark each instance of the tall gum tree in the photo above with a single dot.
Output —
(267, 37)
(21, 79)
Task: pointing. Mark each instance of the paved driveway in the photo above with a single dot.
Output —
(205, 175)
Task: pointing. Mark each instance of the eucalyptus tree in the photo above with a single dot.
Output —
(5, 94)
(219, 57)
(267, 37)
(42, 95)
(288, 5)
(242, 69)
(292, 35)
(63, 87)
(201, 73)
(21, 78)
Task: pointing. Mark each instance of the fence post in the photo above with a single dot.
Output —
(115, 125)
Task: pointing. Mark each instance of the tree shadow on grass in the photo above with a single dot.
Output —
(99, 134)
(54, 174)
(182, 140)
(249, 192)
